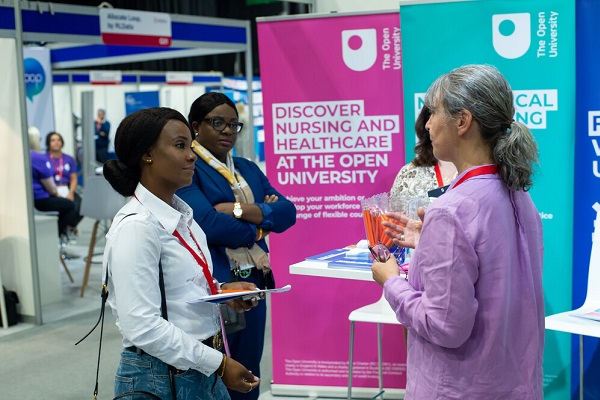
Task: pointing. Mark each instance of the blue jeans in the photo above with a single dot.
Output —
(147, 373)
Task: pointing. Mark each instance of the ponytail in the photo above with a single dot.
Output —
(516, 155)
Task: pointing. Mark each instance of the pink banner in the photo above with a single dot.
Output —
(332, 95)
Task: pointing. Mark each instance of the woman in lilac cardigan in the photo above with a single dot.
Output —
(473, 302)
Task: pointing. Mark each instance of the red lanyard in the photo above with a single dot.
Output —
(438, 175)
(200, 260)
(59, 167)
(483, 170)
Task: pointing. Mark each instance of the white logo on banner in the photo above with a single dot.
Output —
(331, 127)
(593, 131)
(511, 34)
(531, 107)
(359, 48)
(594, 123)
(419, 103)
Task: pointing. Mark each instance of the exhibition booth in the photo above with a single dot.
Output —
(120, 93)
(77, 36)
(367, 63)
(313, 67)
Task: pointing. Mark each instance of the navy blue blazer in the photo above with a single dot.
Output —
(209, 187)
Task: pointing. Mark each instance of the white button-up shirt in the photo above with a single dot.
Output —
(141, 235)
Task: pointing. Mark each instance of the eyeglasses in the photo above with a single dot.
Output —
(219, 124)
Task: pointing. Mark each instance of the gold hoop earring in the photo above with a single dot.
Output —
(148, 161)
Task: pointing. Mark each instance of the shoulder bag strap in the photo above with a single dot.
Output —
(104, 295)
(163, 311)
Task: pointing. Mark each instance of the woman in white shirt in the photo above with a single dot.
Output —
(424, 172)
(156, 230)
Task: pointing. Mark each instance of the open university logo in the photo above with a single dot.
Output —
(359, 48)
(511, 34)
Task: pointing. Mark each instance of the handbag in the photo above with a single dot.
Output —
(232, 320)
(10, 300)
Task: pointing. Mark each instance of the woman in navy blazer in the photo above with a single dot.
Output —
(237, 208)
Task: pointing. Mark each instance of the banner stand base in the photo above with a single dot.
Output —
(333, 391)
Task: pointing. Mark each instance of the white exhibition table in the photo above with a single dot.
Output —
(319, 268)
(567, 322)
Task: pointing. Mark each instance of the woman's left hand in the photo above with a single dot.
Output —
(383, 271)
(271, 198)
(238, 378)
(404, 231)
(240, 305)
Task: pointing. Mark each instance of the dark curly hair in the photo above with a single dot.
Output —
(423, 149)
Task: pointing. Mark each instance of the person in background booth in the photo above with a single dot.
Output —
(424, 172)
(153, 231)
(45, 193)
(102, 131)
(64, 169)
(473, 302)
(237, 207)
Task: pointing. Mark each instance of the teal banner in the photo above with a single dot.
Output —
(532, 42)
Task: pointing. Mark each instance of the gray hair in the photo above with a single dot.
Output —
(485, 93)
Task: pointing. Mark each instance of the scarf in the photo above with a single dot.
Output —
(242, 257)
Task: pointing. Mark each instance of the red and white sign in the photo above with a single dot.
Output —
(135, 28)
(180, 78)
(105, 77)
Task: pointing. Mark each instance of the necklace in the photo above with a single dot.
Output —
(444, 173)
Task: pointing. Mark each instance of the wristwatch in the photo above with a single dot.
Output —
(237, 210)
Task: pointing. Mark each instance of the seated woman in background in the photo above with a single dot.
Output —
(237, 207)
(64, 169)
(63, 165)
(424, 172)
(45, 194)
